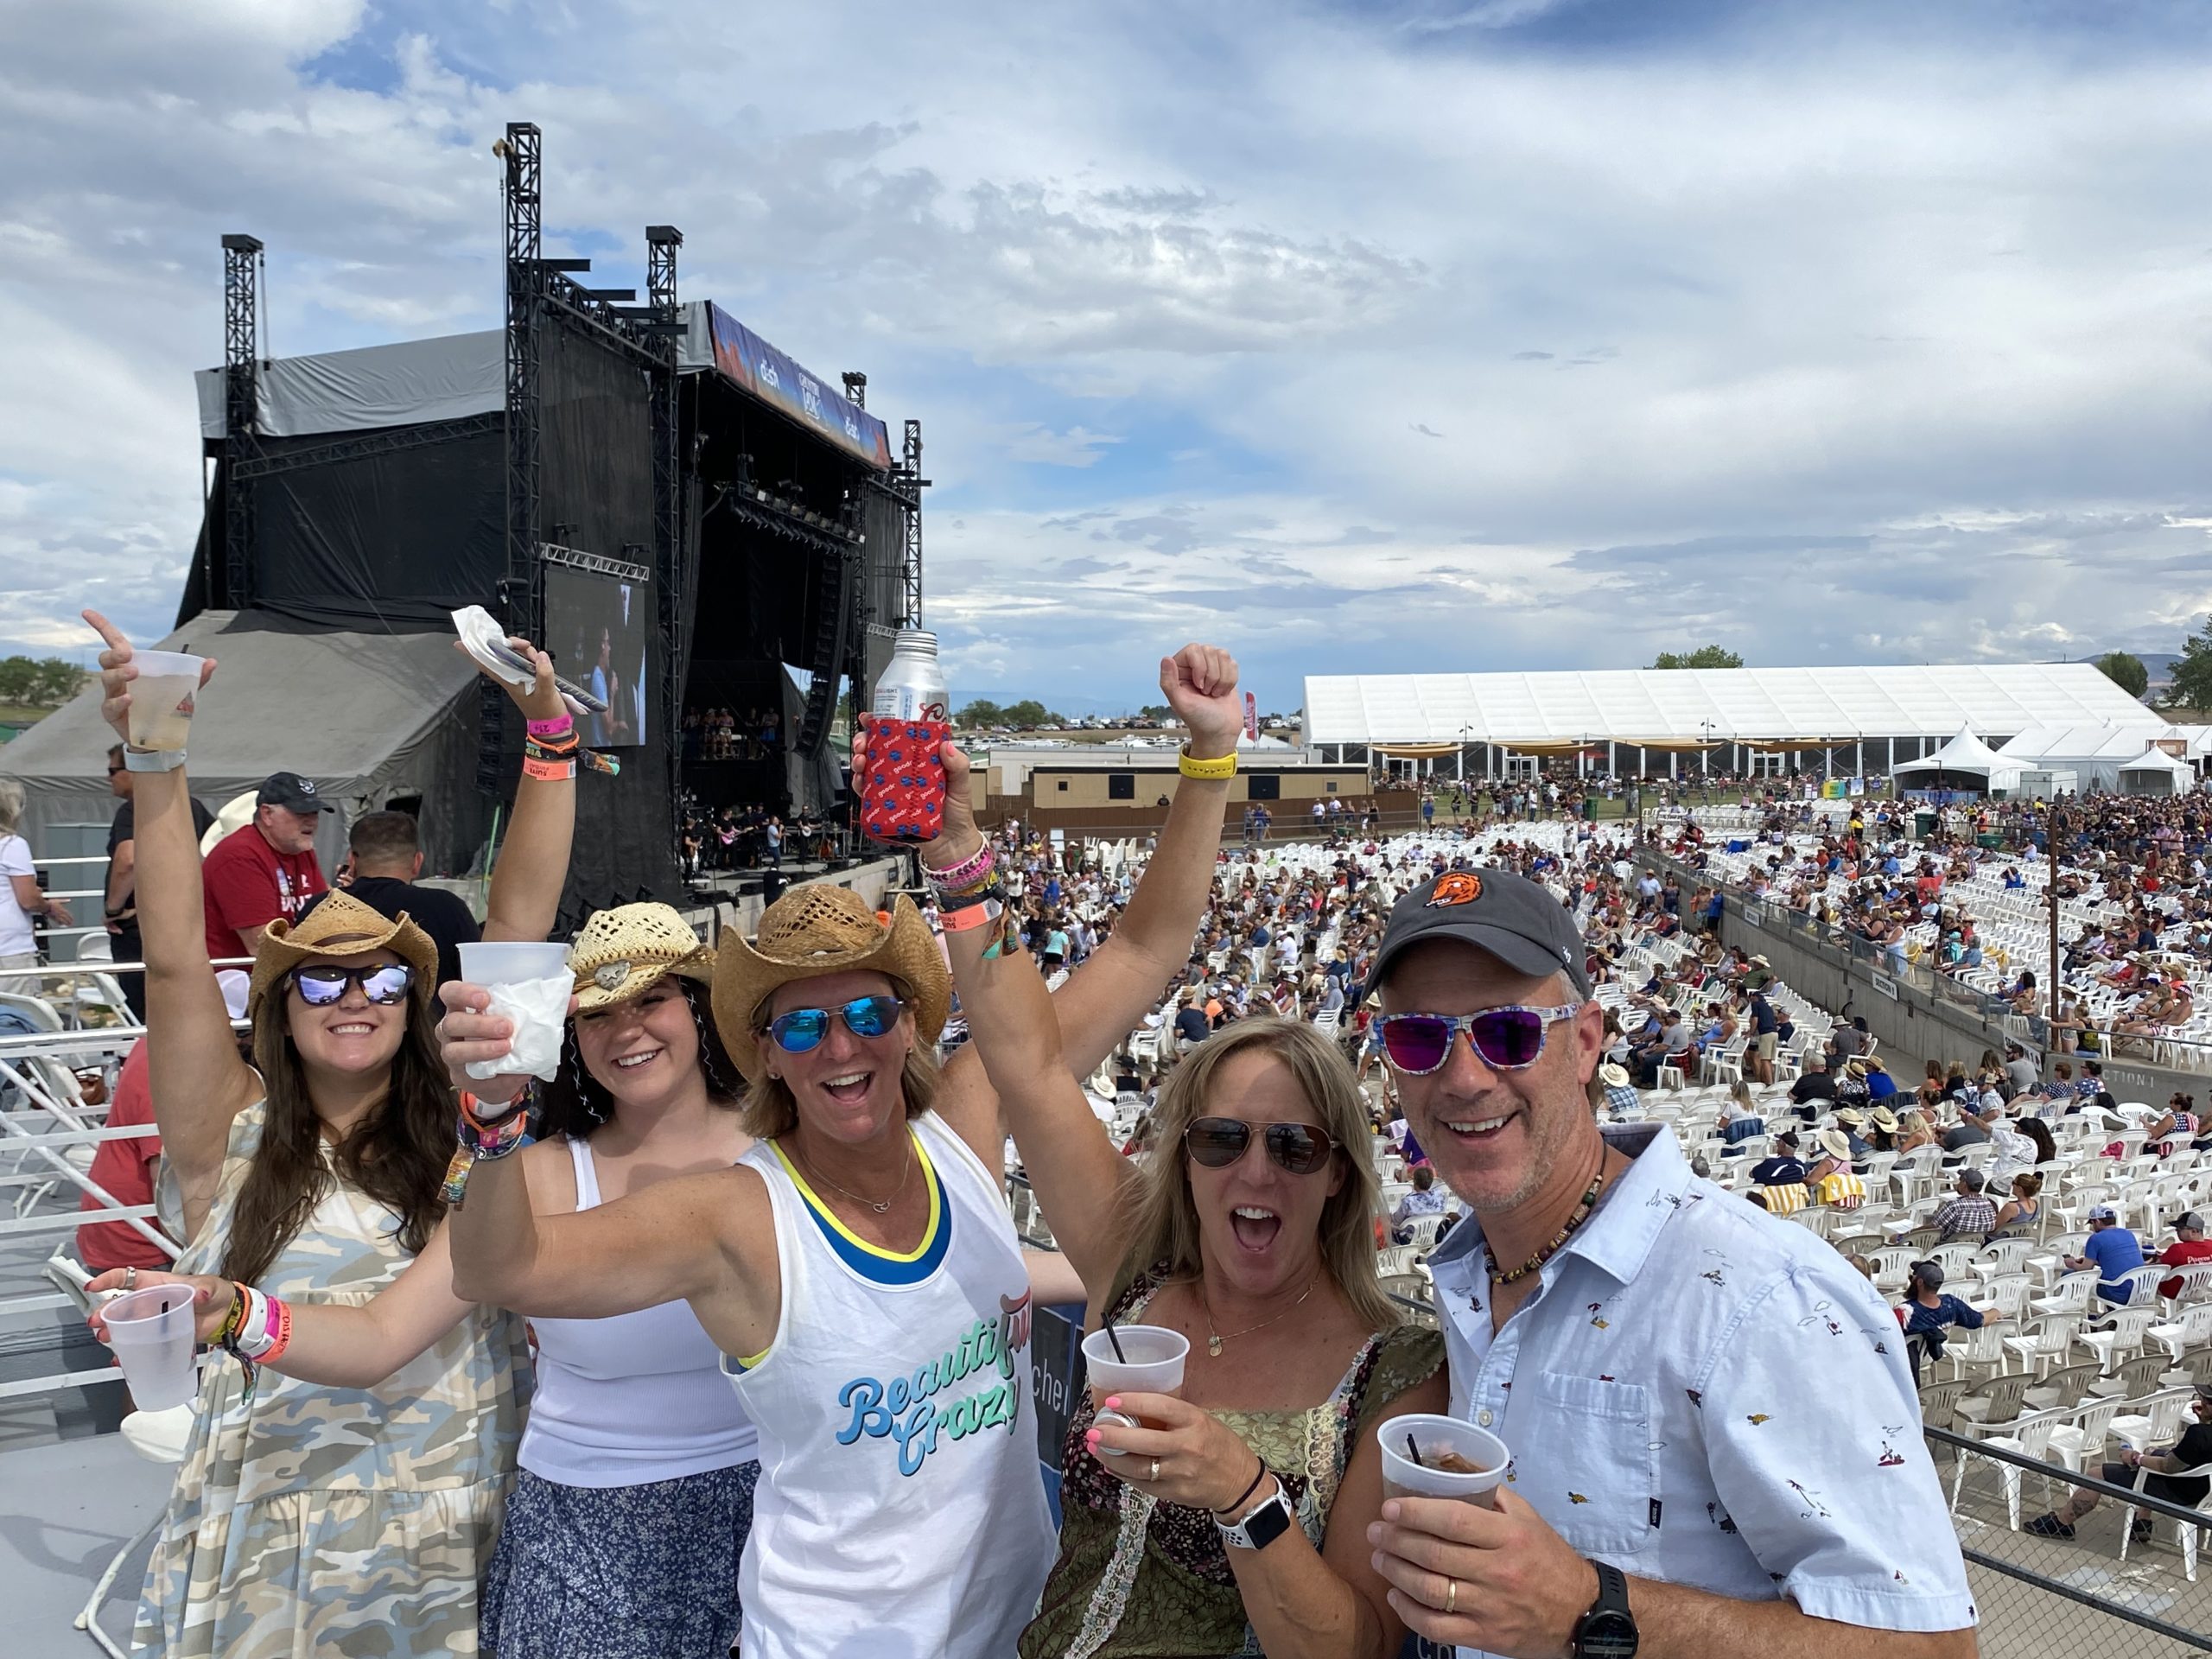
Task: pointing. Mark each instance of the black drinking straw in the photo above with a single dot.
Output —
(1413, 1451)
(1115, 1341)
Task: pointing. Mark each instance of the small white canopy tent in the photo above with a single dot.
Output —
(2155, 772)
(1965, 764)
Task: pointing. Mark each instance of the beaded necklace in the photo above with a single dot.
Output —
(1574, 1224)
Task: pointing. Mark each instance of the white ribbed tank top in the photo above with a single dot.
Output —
(900, 1511)
(630, 1399)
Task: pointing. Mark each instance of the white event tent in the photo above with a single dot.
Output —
(2093, 753)
(2155, 772)
(1840, 719)
(1966, 763)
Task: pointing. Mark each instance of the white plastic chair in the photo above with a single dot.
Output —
(2120, 1338)
(2186, 1530)
(2192, 1329)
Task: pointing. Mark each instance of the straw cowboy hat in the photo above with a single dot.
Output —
(1832, 1142)
(1851, 1118)
(341, 926)
(623, 951)
(819, 929)
(1885, 1120)
(1612, 1075)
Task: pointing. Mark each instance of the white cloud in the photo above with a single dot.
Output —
(1924, 295)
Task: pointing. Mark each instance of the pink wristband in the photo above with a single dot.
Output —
(560, 727)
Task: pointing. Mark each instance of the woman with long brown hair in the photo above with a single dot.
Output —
(307, 1518)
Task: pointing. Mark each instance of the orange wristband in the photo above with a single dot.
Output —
(549, 772)
(968, 918)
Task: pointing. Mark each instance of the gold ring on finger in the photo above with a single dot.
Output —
(1154, 1475)
(1451, 1595)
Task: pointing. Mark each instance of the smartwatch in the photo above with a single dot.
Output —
(152, 760)
(1262, 1525)
(1608, 1630)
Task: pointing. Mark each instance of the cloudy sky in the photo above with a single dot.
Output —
(1374, 336)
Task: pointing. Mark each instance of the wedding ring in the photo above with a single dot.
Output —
(1154, 1475)
(131, 1278)
(1451, 1595)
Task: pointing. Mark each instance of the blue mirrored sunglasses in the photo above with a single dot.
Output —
(805, 1028)
(384, 982)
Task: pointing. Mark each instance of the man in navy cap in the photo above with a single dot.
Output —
(265, 869)
(1640, 1341)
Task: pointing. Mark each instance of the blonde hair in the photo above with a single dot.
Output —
(769, 1108)
(11, 805)
(1160, 1219)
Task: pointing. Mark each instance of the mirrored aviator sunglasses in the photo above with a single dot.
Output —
(1510, 1039)
(1218, 1142)
(384, 983)
(803, 1029)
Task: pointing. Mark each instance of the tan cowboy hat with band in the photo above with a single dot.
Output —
(1885, 1120)
(1612, 1074)
(816, 930)
(623, 951)
(341, 926)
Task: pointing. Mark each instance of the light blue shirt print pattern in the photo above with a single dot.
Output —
(1704, 1394)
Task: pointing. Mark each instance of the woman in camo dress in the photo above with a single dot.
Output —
(308, 1518)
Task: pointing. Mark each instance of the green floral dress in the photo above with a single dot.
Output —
(1138, 1577)
(315, 1521)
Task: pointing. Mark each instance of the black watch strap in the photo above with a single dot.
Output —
(1607, 1630)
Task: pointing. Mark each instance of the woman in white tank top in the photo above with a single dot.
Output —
(858, 1269)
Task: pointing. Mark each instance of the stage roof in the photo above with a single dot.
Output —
(1671, 705)
(413, 382)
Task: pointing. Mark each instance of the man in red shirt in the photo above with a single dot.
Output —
(263, 869)
(125, 1169)
(2189, 1245)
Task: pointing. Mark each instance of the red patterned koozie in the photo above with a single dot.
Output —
(902, 797)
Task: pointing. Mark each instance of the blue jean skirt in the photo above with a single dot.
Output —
(647, 1572)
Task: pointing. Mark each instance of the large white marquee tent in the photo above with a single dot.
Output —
(1866, 720)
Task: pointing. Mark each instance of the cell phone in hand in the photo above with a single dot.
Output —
(506, 657)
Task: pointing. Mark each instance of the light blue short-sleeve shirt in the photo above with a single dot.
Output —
(1704, 1394)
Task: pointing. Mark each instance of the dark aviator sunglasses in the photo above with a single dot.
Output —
(1218, 1142)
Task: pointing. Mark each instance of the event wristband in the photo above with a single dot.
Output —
(484, 1121)
(549, 771)
(152, 760)
(970, 872)
(560, 727)
(1206, 771)
(968, 918)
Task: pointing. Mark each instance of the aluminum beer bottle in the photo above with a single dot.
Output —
(902, 794)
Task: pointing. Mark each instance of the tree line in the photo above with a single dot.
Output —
(39, 682)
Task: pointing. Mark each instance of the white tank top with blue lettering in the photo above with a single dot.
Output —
(900, 1510)
(631, 1399)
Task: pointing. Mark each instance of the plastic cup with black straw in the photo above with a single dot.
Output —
(1444, 1458)
(1132, 1359)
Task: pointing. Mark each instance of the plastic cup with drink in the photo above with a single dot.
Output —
(1150, 1361)
(1456, 1459)
(528, 986)
(151, 1332)
(160, 699)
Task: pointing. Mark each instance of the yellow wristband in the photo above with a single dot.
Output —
(1207, 771)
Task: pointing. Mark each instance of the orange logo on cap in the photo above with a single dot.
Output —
(1457, 889)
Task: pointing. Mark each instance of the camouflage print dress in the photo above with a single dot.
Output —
(321, 1521)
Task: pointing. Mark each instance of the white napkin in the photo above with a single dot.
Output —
(538, 1008)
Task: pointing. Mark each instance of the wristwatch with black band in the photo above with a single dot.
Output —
(1608, 1630)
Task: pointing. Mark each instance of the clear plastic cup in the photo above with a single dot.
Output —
(1151, 1362)
(511, 962)
(160, 699)
(1440, 1440)
(151, 1332)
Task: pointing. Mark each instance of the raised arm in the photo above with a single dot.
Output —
(533, 862)
(1078, 1174)
(1105, 999)
(199, 1083)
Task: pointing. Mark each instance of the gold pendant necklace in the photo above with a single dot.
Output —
(880, 1209)
(1214, 1339)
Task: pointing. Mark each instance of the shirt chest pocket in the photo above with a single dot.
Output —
(1588, 1464)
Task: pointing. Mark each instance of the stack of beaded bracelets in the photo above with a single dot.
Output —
(483, 1139)
(549, 750)
(257, 1330)
(969, 896)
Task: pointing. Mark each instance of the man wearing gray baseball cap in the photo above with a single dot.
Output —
(1641, 1341)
